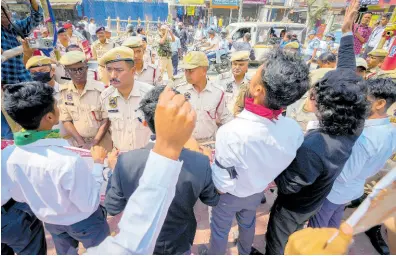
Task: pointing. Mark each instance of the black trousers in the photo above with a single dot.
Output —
(175, 62)
(282, 223)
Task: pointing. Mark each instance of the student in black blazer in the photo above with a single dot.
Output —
(195, 181)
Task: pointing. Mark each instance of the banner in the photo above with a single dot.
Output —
(255, 1)
(224, 4)
(377, 207)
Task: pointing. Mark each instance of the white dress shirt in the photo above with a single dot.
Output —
(258, 148)
(375, 36)
(375, 145)
(92, 29)
(55, 182)
(146, 210)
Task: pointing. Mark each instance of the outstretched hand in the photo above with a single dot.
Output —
(351, 13)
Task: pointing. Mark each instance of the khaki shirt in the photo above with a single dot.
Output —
(149, 74)
(127, 131)
(99, 49)
(83, 110)
(297, 112)
(210, 106)
(227, 82)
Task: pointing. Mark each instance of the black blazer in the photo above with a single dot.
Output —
(195, 181)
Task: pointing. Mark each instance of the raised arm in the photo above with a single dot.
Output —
(346, 54)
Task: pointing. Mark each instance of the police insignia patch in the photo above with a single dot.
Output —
(69, 97)
(187, 95)
(118, 56)
(229, 88)
(113, 102)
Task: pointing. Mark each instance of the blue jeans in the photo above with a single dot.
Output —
(329, 216)
(6, 132)
(21, 231)
(90, 232)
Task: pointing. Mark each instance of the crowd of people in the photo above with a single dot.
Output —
(318, 134)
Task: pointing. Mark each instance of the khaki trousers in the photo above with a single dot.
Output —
(166, 64)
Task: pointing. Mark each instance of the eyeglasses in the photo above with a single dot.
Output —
(77, 70)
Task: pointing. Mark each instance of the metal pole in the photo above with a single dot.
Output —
(240, 10)
(230, 17)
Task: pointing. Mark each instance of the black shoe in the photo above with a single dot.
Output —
(264, 200)
(377, 241)
(254, 251)
(355, 203)
(203, 250)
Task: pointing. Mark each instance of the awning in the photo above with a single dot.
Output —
(53, 2)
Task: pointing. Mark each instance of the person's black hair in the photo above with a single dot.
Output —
(328, 57)
(341, 102)
(139, 30)
(382, 88)
(285, 78)
(289, 35)
(28, 102)
(72, 46)
(149, 103)
(61, 30)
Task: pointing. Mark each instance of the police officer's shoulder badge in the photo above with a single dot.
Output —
(187, 95)
(229, 88)
(113, 102)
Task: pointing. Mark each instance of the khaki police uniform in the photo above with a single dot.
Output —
(228, 83)
(297, 110)
(127, 131)
(209, 104)
(376, 72)
(98, 50)
(83, 110)
(150, 74)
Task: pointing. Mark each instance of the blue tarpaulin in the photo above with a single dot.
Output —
(100, 10)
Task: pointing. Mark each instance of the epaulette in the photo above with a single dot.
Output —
(107, 92)
(178, 83)
(97, 85)
(226, 75)
(63, 87)
(143, 87)
(217, 86)
(152, 66)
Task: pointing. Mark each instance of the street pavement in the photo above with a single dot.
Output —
(360, 246)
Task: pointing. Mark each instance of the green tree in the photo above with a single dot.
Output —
(315, 10)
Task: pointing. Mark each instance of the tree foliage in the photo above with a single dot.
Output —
(316, 9)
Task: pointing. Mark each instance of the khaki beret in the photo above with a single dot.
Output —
(378, 53)
(195, 59)
(360, 62)
(292, 45)
(72, 57)
(38, 61)
(241, 56)
(120, 53)
(133, 42)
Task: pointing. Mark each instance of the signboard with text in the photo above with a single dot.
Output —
(224, 4)
(255, 1)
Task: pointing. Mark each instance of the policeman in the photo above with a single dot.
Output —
(80, 105)
(145, 72)
(42, 69)
(207, 98)
(375, 59)
(121, 100)
(99, 48)
(231, 82)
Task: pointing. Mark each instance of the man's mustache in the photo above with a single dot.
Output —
(115, 80)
